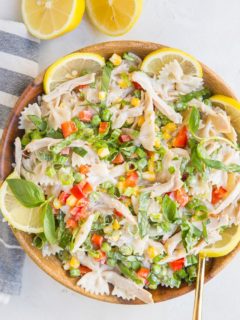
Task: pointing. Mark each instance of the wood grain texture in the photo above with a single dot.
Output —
(51, 265)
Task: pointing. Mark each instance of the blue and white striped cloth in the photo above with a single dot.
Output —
(18, 66)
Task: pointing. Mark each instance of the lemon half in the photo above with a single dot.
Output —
(114, 17)
(71, 66)
(48, 19)
(22, 218)
(230, 239)
(156, 60)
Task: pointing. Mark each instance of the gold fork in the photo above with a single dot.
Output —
(197, 311)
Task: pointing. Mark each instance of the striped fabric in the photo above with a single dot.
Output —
(18, 66)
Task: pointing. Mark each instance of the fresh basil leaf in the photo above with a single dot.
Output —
(143, 224)
(49, 224)
(196, 205)
(169, 209)
(215, 164)
(26, 192)
(194, 120)
(80, 151)
(39, 123)
(106, 74)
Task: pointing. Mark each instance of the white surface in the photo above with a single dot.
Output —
(210, 31)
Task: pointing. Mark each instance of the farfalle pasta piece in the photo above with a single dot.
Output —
(24, 121)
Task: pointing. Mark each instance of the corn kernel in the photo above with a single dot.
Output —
(116, 59)
(56, 204)
(166, 136)
(103, 152)
(140, 121)
(152, 252)
(150, 176)
(170, 127)
(102, 95)
(71, 201)
(74, 263)
(135, 102)
(123, 84)
(157, 143)
(121, 186)
(136, 191)
(151, 166)
(116, 225)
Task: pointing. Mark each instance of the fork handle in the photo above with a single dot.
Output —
(197, 311)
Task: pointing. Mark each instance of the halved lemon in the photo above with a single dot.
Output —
(22, 218)
(230, 239)
(231, 106)
(48, 19)
(155, 61)
(71, 66)
(114, 17)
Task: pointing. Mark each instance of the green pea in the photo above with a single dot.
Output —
(35, 134)
(74, 273)
(105, 247)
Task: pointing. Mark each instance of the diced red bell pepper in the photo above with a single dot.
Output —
(82, 202)
(124, 138)
(97, 240)
(118, 159)
(102, 257)
(87, 188)
(68, 128)
(131, 179)
(118, 213)
(63, 197)
(181, 197)
(79, 213)
(71, 223)
(85, 115)
(177, 264)
(143, 272)
(103, 127)
(84, 169)
(81, 86)
(181, 139)
(84, 269)
(218, 194)
(77, 191)
(137, 86)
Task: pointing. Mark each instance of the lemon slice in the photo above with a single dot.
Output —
(114, 17)
(48, 19)
(22, 218)
(155, 61)
(71, 66)
(230, 239)
(231, 106)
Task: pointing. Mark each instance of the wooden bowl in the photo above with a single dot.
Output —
(51, 265)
